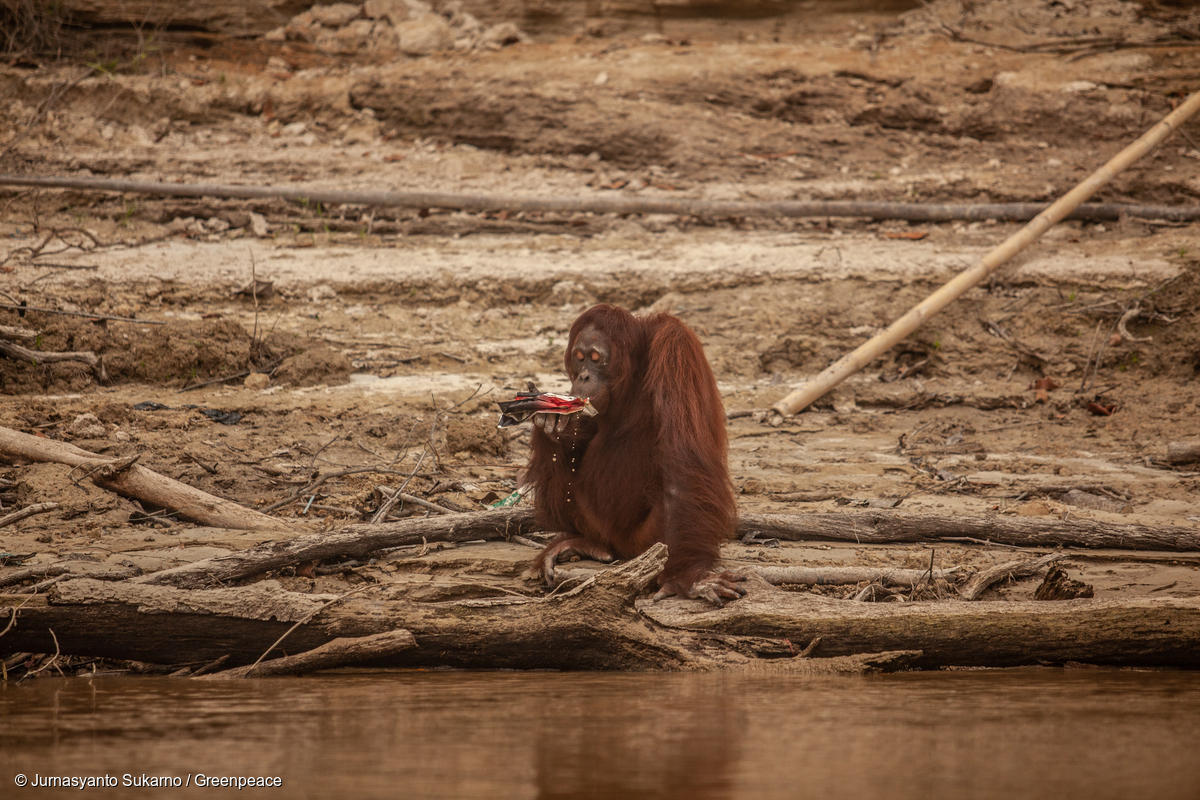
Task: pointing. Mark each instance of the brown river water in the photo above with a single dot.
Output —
(1032, 733)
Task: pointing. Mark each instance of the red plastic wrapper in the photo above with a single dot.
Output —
(526, 404)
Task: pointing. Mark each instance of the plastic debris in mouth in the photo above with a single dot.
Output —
(526, 404)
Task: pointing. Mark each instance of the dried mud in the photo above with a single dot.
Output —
(387, 336)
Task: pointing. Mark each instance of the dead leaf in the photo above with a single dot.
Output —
(1042, 388)
(913, 235)
(1101, 410)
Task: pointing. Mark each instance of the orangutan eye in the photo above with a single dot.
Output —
(578, 355)
(595, 355)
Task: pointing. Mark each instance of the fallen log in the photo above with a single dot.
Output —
(134, 480)
(862, 528)
(877, 527)
(11, 332)
(602, 204)
(591, 627)
(1183, 452)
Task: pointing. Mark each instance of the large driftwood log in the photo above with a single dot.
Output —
(589, 627)
(1134, 631)
(592, 627)
(134, 480)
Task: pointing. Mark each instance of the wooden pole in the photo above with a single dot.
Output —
(851, 363)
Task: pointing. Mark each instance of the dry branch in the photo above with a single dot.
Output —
(24, 334)
(76, 568)
(84, 314)
(20, 353)
(982, 580)
(349, 542)
(134, 480)
(28, 511)
(840, 576)
(338, 652)
(913, 212)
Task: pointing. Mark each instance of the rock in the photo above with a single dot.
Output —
(501, 35)
(257, 381)
(180, 224)
(302, 27)
(353, 38)
(258, 224)
(363, 132)
(335, 15)
(321, 292)
(424, 35)
(394, 11)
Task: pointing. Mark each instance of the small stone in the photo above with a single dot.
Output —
(394, 11)
(424, 35)
(180, 224)
(335, 15)
(502, 35)
(321, 292)
(86, 426)
(258, 225)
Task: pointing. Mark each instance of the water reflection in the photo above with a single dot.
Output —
(1027, 733)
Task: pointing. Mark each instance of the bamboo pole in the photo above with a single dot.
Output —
(867, 352)
(911, 212)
